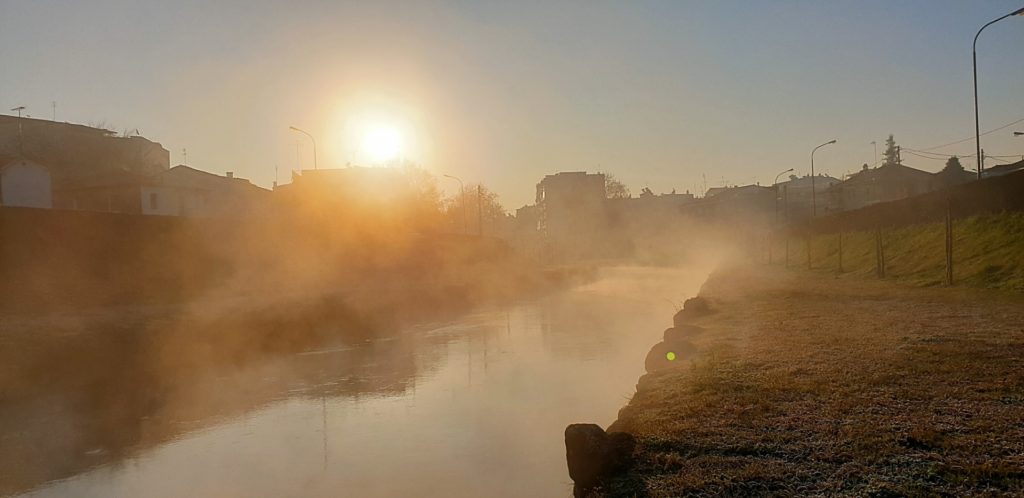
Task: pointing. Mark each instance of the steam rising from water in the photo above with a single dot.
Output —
(467, 408)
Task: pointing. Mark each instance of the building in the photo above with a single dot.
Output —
(747, 204)
(186, 191)
(24, 183)
(1003, 169)
(178, 191)
(88, 167)
(796, 201)
(888, 182)
(891, 182)
(72, 152)
(112, 192)
(573, 219)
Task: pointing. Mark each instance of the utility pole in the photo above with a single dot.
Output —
(184, 153)
(53, 104)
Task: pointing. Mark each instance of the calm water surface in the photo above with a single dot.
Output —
(474, 407)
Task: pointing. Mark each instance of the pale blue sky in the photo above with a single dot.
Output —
(657, 93)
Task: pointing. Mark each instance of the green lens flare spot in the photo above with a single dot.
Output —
(670, 356)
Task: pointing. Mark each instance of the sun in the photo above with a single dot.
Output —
(382, 143)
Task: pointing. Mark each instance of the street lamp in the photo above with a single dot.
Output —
(814, 202)
(974, 53)
(462, 188)
(775, 184)
(306, 133)
(21, 137)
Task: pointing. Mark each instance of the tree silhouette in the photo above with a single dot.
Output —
(613, 188)
(481, 206)
(953, 165)
(892, 153)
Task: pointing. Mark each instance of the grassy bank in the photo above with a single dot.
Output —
(988, 252)
(800, 386)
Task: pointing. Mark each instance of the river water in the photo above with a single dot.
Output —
(473, 407)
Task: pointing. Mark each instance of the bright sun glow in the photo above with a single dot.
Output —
(382, 143)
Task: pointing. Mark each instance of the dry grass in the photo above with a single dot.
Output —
(988, 252)
(808, 385)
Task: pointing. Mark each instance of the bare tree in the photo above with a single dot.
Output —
(614, 189)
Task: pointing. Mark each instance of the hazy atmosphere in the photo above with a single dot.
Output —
(594, 249)
(659, 93)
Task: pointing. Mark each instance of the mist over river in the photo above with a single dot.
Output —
(472, 407)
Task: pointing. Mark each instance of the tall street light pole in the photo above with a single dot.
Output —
(462, 188)
(775, 184)
(306, 133)
(974, 53)
(814, 202)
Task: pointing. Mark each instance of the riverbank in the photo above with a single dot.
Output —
(800, 383)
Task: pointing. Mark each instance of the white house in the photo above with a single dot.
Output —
(185, 191)
(25, 184)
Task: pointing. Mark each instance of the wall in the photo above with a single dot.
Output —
(25, 184)
(174, 201)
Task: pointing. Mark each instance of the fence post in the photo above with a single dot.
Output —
(881, 249)
(840, 251)
(808, 251)
(879, 254)
(949, 244)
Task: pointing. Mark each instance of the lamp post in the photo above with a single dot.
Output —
(462, 188)
(21, 138)
(306, 133)
(775, 184)
(814, 202)
(974, 54)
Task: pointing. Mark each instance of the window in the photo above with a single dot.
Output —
(153, 200)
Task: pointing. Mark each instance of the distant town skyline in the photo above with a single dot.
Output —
(660, 94)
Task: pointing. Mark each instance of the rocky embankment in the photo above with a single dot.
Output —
(792, 383)
(595, 456)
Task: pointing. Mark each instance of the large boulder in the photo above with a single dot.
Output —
(681, 332)
(693, 307)
(667, 355)
(594, 455)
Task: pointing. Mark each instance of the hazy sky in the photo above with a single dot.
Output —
(658, 93)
